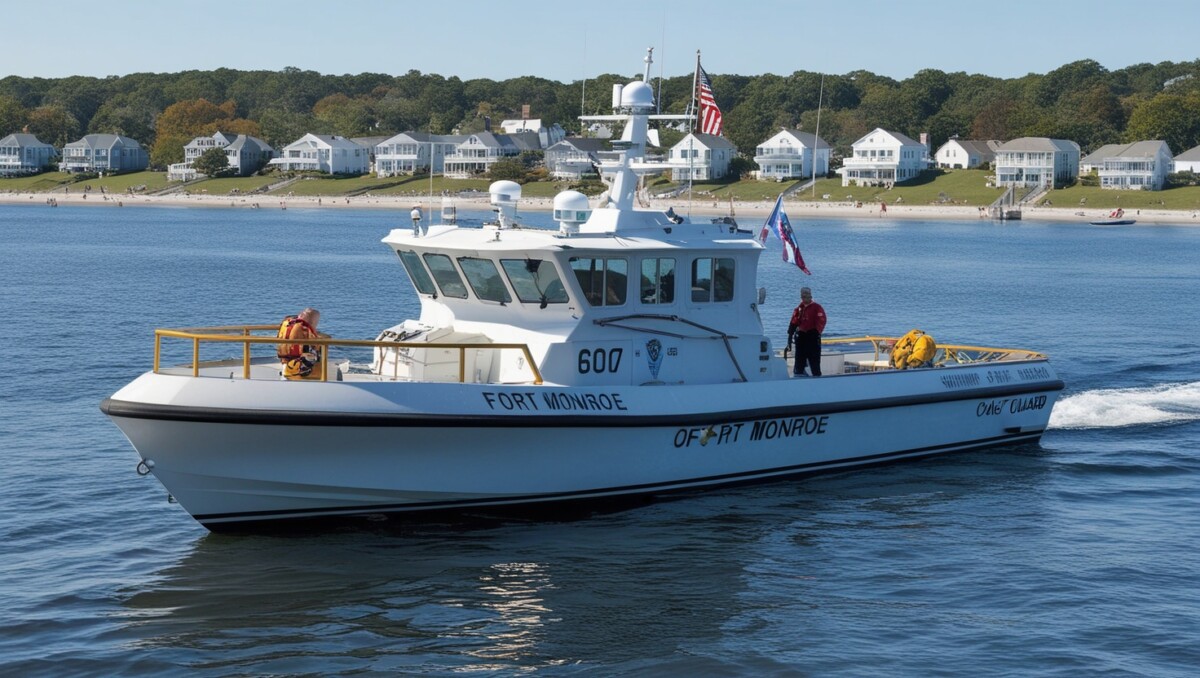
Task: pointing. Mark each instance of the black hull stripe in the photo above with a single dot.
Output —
(648, 488)
(220, 415)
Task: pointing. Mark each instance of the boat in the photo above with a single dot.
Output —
(1114, 218)
(619, 357)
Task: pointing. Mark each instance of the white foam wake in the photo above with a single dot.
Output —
(1111, 408)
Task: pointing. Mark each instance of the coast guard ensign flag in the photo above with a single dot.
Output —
(777, 221)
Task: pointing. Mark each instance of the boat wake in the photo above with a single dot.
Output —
(1118, 407)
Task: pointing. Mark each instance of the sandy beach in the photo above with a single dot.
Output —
(747, 210)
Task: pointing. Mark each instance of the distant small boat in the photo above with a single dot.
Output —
(1114, 218)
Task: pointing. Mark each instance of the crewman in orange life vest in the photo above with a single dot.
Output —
(299, 359)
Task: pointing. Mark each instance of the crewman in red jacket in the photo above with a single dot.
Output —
(805, 329)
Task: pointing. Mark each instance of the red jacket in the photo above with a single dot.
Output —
(806, 318)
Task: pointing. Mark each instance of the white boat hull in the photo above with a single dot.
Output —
(275, 450)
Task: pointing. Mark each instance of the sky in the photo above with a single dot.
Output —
(569, 41)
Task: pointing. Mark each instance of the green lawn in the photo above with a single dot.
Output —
(35, 184)
(959, 187)
(338, 186)
(224, 186)
(1179, 198)
(419, 186)
(120, 183)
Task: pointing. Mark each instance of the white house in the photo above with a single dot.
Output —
(324, 153)
(790, 155)
(548, 135)
(965, 154)
(701, 157)
(478, 152)
(24, 154)
(574, 157)
(1142, 166)
(411, 152)
(883, 158)
(1037, 162)
(104, 153)
(1188, 161)
(246, 155)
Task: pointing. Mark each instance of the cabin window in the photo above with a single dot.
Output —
(658, 281)
(603, 281)
(535, 281)
(712, 279)
(416, 272)
(446, 276)
(484, 279)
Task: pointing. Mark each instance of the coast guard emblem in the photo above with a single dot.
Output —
(654, 356)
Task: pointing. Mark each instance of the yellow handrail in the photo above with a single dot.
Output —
(950, 351)
(240, 334)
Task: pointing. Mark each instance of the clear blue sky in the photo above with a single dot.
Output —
(568, 41)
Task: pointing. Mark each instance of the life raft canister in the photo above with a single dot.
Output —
(915, 349)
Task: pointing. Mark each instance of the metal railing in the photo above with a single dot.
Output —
(946, 353)
(242, 334)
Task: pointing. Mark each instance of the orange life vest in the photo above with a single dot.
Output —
(288, 330)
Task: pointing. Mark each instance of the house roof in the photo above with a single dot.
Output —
(1190, 155)
(23, 140)
(708, 141)
(585, 144)
(1039, 144)
(103, 141)
(904, 141)
(330, 140)
(983, 148)
(808, 139)
(369, 142)
(1140, 149)
(243, 140)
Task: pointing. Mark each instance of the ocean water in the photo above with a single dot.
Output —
(1076, 556)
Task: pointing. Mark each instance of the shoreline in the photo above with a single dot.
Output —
(759, 209)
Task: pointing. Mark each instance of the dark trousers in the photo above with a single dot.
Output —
(808, 352)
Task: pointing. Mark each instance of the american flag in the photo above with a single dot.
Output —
(710, 115)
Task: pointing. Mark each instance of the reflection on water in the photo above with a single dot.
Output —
(702, 577)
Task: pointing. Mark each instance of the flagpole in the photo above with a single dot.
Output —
(692, 133)
(817, 139)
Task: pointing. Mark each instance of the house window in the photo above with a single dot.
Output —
(603, 281)
(658, 281)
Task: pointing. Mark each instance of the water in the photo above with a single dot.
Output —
(1073, 557)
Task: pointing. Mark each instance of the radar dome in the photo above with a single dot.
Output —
(506, 191)
(571, 208)
(637, 94)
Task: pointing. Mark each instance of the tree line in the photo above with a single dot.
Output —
(1081, 101)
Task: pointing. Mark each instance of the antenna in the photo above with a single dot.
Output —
(583, 95)
(661, 61)
(649, 60)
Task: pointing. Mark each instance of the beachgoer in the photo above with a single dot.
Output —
(805, 329)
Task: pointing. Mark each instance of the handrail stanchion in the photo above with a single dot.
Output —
(245, 359)
(195, 356)
(322, 355)
(157, 350)
(462, 365)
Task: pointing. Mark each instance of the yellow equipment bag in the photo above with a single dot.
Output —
(914, 349)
